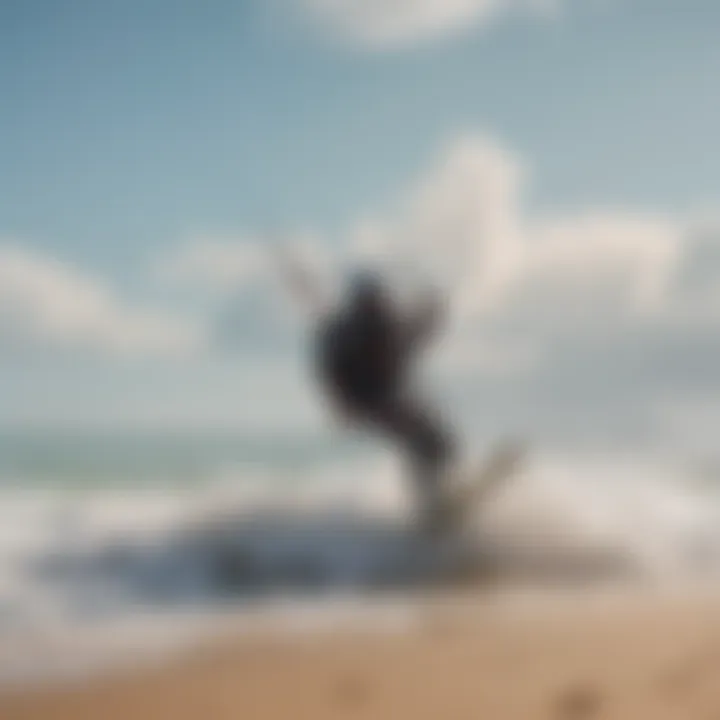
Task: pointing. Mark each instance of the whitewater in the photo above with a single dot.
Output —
(95, 575)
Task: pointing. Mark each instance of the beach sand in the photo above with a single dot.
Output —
(641, 658)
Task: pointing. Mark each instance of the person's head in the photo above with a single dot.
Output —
(367, 292)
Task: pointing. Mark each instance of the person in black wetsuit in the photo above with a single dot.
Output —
(365, 353)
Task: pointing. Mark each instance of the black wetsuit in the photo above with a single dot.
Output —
(364, 361)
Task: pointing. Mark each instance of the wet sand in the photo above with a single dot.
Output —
(634, 658)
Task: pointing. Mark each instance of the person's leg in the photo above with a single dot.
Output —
(429, 448)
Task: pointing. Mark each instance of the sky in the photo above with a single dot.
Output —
(557, 159)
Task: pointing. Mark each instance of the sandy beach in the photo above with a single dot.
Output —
(635, 658)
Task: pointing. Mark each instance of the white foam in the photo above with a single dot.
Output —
(91, 569)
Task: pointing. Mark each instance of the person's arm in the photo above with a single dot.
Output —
(425, 322)
(306, 289)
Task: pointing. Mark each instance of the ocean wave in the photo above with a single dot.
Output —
(71, 560)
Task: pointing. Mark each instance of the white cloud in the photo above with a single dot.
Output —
(384, 24)
(460, 224)
(220, 265)
(45, 303)
(570, 318)
(520, 283)
(465, 222)
(567, 320)
(696, 281)
(617, 264)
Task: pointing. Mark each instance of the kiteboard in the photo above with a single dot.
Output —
(476, 485)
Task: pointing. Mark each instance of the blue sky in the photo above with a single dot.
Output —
(133, 128)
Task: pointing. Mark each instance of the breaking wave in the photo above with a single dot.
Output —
(109, 558)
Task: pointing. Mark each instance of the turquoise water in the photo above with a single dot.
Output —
(132, 459)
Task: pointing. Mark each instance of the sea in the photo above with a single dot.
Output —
(122, 547)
